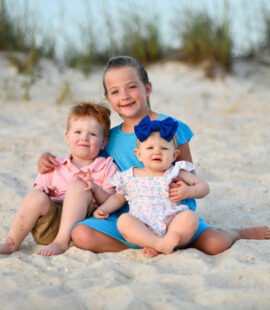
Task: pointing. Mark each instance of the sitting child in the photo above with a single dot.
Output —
(156, 222)
(88, 127)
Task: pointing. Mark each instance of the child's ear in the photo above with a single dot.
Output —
(137, 153)
(67, 137)
(105, 142)
(148, 88)
(176, 154)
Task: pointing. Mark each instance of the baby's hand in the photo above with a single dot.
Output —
(99, 213)
(179, 191)
(47, 163)
(49, 190)
(86, 177)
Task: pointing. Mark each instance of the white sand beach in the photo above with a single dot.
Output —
(230, 117)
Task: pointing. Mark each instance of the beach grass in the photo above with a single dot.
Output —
(197, 36)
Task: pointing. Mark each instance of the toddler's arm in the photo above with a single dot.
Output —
(191, 187)
(113, 203)
(98, 192)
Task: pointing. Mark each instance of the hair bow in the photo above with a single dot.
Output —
(166, 127)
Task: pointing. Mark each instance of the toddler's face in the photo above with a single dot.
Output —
(156, 153)
(85, 138)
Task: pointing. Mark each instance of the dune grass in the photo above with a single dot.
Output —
(202, 39)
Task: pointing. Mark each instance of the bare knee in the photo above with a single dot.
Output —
(37, 199)
(123, 222)
(191, 218)
(212, 242)
(83, 237)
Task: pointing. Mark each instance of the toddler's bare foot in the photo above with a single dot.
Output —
(52, 249)
(168, 242)
(150, 252)
(256, 233)
(8, 247)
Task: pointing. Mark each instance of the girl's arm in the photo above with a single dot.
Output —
(46, 163)
(190, 187)
(113, 203)
(185, 153)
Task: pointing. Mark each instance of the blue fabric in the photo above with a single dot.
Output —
(120, 147)
(166, 127)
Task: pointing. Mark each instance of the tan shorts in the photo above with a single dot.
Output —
(47, 226)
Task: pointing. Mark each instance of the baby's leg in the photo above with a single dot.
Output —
(184, 225)
(35, 204)
(74, 210)
(136, 232)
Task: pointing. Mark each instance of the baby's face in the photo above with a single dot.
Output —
(85, 138)
(156, 153)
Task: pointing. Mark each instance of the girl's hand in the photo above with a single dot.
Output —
(49, 190)
(47, 163)
(86, 177)
(179, 190)
(99, 213)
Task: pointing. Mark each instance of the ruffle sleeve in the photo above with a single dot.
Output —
(181, 165)
(120, 183)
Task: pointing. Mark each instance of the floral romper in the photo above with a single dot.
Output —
(148, 197)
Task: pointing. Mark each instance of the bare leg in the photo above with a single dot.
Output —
(214, 241)
(74, 210)
(35, 204)
(87, 238)
(136, 232)
(183, 226)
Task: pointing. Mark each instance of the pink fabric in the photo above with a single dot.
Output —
(102, 169)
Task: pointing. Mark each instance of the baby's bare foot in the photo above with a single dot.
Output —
(169, 242)
(150, 252)
(52, 249)
(256, 233)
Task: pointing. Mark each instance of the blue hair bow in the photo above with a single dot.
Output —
(166, 127)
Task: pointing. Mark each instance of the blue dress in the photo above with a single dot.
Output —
(120, 147)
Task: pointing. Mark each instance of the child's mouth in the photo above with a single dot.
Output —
(128, 105)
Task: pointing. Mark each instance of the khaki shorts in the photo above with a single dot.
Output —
(47, 226)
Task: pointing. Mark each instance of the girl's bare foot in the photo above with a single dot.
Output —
(150, 252)
(170, 241)
(256, 233)
(52, 249)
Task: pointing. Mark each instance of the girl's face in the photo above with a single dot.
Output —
(126, 93)
(85, 138)
(156, 153)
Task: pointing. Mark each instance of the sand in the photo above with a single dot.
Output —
(231, 148)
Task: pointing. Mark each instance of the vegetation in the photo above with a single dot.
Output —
(201, 39)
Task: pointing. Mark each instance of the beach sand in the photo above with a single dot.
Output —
(230, 117)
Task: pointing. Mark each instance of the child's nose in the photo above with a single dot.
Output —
(125, 94)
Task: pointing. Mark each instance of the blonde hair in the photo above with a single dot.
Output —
(99, 112)
(174, 140)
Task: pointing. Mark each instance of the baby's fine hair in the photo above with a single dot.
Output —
(174, 140)
(126, 61)
(99, 112)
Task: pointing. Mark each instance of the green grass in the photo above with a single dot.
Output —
(204, 41)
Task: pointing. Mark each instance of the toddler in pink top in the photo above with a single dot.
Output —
(88, 128)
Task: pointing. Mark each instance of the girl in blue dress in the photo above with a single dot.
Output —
(127, 89)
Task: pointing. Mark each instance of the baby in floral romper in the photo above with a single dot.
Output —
(155, 221)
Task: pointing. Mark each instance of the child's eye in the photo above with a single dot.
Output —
(92, 134)
(132, 86)
(114, 92)
(149, 148)
(164, 148)
(77, 132)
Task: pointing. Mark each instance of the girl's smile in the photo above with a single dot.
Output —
(126, 93)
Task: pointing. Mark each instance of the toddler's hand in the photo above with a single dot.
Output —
(179, 191)
(99, 213)
(49, 190)
(86, 177)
